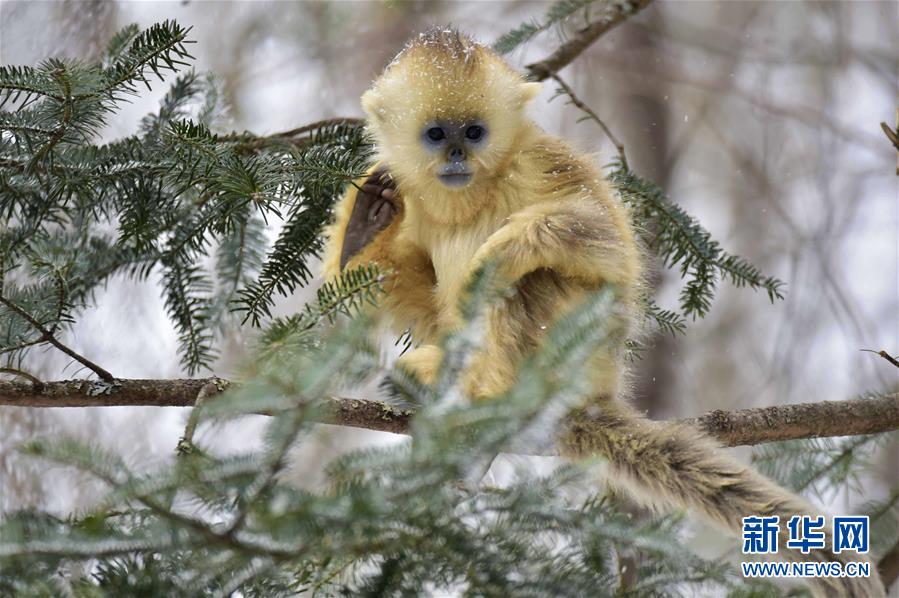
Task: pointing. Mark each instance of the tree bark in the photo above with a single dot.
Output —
(731, 428)
(581, 40)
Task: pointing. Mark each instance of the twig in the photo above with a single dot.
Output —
(888, 566)
(315, 126)
(567, 52)
(731, 428)
(299, 135)
(616, 13)
(67, 113)
(212, 387)
(592, 115)
(47, 336)
(883, 354)
(35, 382)
(893, 136)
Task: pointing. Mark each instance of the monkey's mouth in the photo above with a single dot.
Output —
(455, 180)
(455, 175)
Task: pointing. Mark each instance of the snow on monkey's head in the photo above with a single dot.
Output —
(446, 111)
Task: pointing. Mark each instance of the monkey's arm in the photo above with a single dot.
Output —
(548, 254)
(367, 229)
(572, 224)
(586, 238)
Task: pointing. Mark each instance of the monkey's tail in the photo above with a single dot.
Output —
(667, 466)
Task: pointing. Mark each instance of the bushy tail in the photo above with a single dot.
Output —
(666, 465)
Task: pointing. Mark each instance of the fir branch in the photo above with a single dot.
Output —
(299, 136)
(174, 189)
(873, 415)
(47, 336)
(240, 255)
(329, 167)
(157, 48)
(173, 108)
(666, 320)
(335, 156)
(345, 295)
(681, 241)
(187, 300)
(60, 73)
(120, 42)
(25, 83)
(556, 14)
(286, 266)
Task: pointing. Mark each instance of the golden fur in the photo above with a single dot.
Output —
(548, 219)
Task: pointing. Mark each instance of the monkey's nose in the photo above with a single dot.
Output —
(456, 154)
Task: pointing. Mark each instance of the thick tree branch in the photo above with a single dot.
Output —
(731, 428)
(616, 13)
(805, 420)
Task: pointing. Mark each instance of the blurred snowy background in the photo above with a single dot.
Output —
(761, 118)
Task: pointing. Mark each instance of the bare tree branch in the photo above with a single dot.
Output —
(883, 354)
(612, 15)
(615, 14)
(731, 428)
(888, 566)
(891, 135)
(803, 420)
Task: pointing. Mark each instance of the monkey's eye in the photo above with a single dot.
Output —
(436, 134)
(474, 132)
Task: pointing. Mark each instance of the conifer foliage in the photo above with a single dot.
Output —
(168, 200)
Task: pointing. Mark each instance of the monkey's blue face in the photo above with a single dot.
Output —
(455, 143)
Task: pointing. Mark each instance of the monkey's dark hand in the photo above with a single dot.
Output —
(375, 208)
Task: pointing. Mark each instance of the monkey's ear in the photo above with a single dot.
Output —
(372, 105)
(529, 91)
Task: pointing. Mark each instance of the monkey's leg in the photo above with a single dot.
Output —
(516, 325)
(551, 253)
(669, 465)
(423, 361)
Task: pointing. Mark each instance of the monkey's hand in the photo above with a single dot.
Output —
(367, 229)
(366, 220)
(375, 208)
